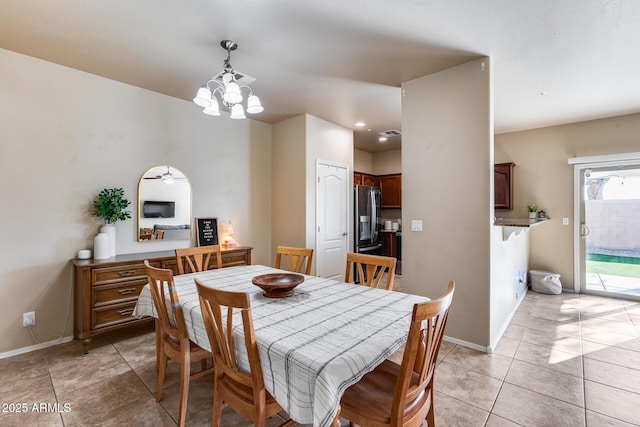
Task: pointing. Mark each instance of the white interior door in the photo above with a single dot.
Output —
(332, 219)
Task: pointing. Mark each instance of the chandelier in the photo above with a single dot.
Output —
(228, 85)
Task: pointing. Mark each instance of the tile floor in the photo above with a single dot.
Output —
(565, 360)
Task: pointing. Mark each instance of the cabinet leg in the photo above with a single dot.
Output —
(85, 345)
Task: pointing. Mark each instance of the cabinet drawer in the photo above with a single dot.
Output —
(112, 315)
(117, 292)
(229, 259)
(108, 274)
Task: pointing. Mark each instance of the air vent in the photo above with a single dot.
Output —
(389, 133)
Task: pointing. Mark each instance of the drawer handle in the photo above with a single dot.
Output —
(126, 312)
(127, 273)
(126, 291)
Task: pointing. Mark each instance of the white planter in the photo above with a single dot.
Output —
(110, 231)
(101, 247)
(533, 215)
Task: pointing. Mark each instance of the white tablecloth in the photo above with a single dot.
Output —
(312, 345)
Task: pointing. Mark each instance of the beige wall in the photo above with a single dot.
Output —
(387, 162)
(65, 135)
(447, 172)
(297, 144)
(288, 183)
(543, 176)
(332, 143)
(362, 161)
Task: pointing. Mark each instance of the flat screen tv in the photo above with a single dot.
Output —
(155, 209)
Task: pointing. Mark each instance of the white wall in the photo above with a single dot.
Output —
(509, 266)
(64, 136)
(447, 182)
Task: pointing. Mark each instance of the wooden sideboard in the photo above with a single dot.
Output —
(106, 291)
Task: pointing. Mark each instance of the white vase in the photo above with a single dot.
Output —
(101, 246)
(110, 230)
(533, 215)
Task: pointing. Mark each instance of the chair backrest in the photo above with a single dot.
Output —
(295, 259)
(415, 380)
(191, 260)
(370, 269)
(215, 302)
(159, 234)
(165, 300)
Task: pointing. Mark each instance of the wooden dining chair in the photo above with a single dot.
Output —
(295, 259)
(370, 269)
(159, 234)
(191, 260)
(402, 395)
(173, 342)
(243, 391)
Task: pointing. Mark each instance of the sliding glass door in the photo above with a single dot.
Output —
(609, 229)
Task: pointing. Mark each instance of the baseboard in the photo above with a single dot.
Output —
(466, 344)
(35, 347)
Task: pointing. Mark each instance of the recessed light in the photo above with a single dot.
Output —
(360, 124)
(383, 139)
(543, 93)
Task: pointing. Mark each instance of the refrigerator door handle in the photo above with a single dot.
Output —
(374, 216)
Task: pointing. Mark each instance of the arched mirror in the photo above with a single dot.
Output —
(164, 204)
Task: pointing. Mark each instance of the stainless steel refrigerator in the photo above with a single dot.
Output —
(368, 220)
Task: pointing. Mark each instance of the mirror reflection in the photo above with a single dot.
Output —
(164, 204)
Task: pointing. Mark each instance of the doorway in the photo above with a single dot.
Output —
(609, 228)
(332, 218)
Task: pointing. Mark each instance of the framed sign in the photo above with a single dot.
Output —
(206, 231)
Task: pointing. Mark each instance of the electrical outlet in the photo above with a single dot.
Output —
(28, 319)
(416, 225)
(565, 221)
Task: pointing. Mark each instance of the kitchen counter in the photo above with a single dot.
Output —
(517, 225)
(519, 222)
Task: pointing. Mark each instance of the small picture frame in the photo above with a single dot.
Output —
(206, 231)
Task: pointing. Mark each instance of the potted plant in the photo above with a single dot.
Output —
(533, 210)
(110, 205)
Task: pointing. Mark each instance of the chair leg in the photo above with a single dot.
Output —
(185, 372)
(217, 405)
(162, 369)
(431, 419)
(158, 344)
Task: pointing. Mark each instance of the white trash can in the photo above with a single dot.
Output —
(545, 282)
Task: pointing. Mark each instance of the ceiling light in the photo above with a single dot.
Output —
(360, 124)
(228, 85)
(383, 139)
(167, 177)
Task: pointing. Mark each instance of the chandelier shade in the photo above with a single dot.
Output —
(237, 112)
(227, 87)
(203, 97)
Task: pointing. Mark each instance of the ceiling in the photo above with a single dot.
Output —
(344, 60)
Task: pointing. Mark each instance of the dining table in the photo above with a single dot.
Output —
(312, 344)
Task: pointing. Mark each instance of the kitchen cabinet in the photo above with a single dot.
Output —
(389, 244)
(357, 178)
(391, 191)
(106, 291)
(360, 178)
(503, 185)
(371, 180)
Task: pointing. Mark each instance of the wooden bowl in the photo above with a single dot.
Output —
(278, 285)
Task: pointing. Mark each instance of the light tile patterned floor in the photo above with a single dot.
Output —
(565, 360)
